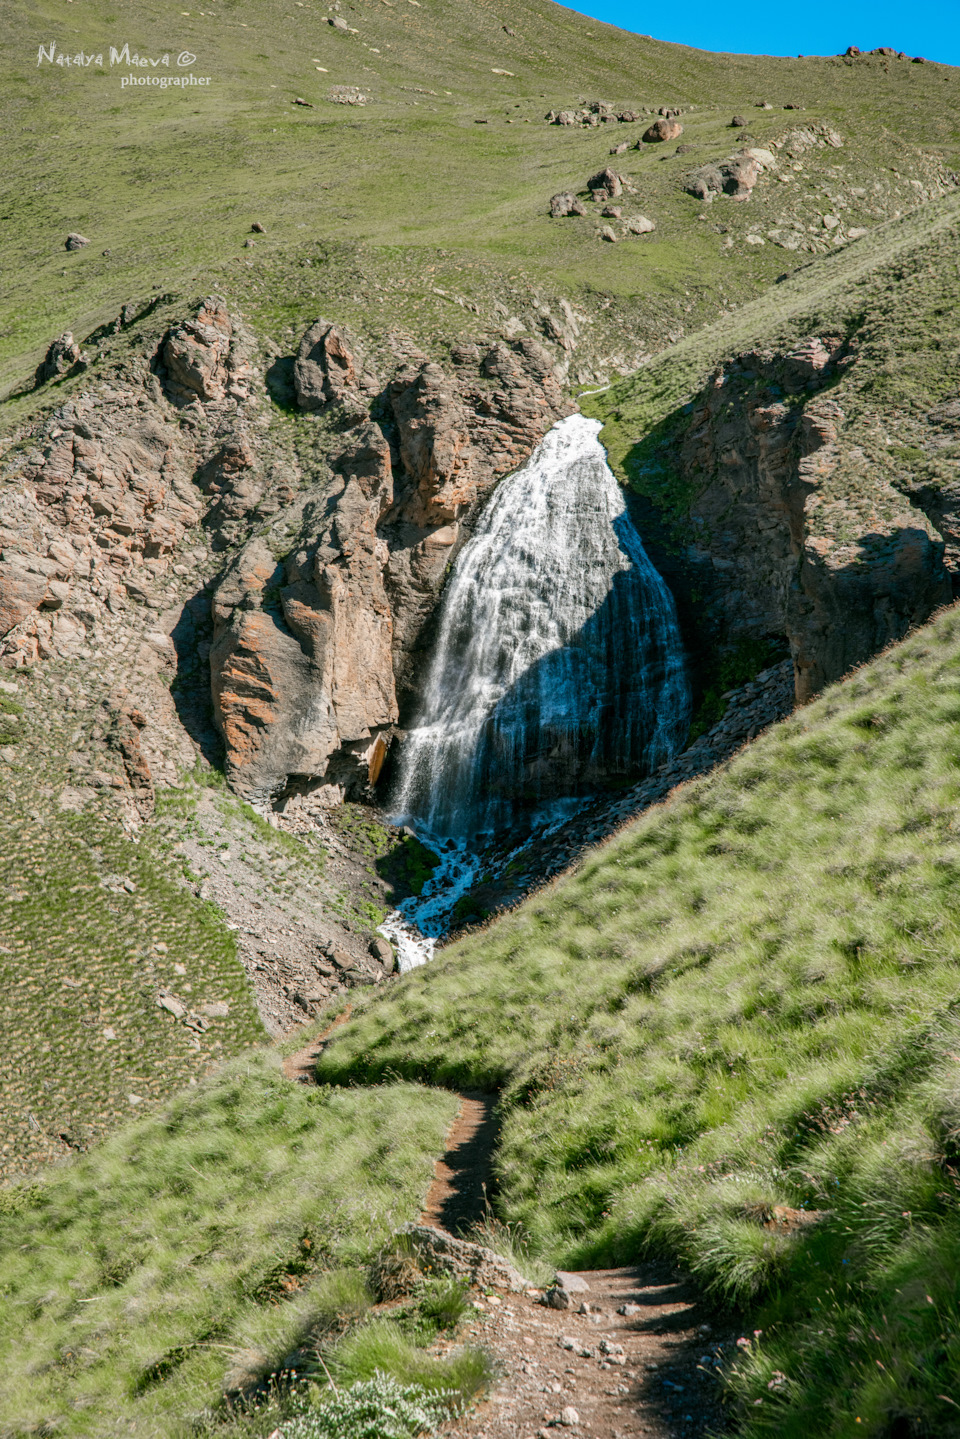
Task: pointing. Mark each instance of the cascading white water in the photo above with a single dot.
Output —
(558, 661)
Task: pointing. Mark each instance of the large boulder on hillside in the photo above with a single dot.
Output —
(607, 183)
(437, 1252)
(195, 354)
(734, 177)
(565, 204)
(663, 129)
(62, 354)
(325, 370)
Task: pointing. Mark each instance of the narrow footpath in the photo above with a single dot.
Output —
(635, 1353)
(640, 1360)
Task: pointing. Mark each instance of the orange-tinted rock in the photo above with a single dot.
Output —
(195, 354)
(434, 446)
(663, 129)
(20, 593)
(324, 370)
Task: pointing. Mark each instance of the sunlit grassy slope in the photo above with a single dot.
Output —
(751, 998)
(192, 1245)
(166, 184)
(893, 294)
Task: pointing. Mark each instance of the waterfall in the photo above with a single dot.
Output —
(558, 661)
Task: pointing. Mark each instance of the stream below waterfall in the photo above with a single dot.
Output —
(558, 669)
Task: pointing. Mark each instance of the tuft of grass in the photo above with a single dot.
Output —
(512, 1244)
(442, 1303)
(340, 1296)
(192, 1251)
(383, 1347)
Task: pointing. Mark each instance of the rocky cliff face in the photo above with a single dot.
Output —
(787, 528)
(316, 653)
(332, 559)
(330, 569)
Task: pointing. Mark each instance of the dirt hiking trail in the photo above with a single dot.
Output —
(634, 1354)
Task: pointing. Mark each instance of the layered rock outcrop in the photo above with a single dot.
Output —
(333, 564)
(316, 652)
(789, 531)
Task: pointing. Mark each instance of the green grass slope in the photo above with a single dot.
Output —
(892, 294)
(200, 1244)
(749, 999)
(93, 926)
(166, 183)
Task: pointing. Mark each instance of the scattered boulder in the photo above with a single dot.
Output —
(608, 234)
(348, 95)
(173, 1005)
(611, 212)
(382, 950)
(557, 1298)
(596, 112)
(75, 241)
(661, 130)
(299, 100)
(564, 204)
(258, 229)
(808, 137)
(605, 184)
(734, 177)
(639, 225)
(738, 123)
(572, 1283)
(338, 22)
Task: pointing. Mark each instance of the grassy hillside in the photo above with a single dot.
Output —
(747, 1000)
(93, 927)
(449, 165)
(891, 293)
(194, 1251)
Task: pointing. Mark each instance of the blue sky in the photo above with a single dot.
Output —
(931, 28)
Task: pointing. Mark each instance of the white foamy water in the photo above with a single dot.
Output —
(558, 663)
(558, 660)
